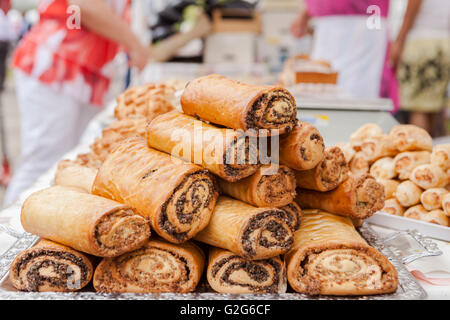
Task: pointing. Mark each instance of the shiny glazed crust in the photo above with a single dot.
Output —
(177, 197)
(84, 222)
(159, 266)
(236, 105)
(329, 257)
(51, 267)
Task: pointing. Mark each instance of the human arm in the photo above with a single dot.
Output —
(299, 27)
(98, 17)
(411, 13)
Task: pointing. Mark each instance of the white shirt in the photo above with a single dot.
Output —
(433, 20)
(6, 32)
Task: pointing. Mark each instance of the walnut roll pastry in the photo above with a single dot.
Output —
(159, 266)
(177, 197)
(294, 215)
(237, 105)
(303, 148)
(84, 222)
(264, 188)
(329, 257)
(250, 232)
(228, 153)
(71, 174)
(328, 173)
(230, 273)
(359, 197)
(52, 267)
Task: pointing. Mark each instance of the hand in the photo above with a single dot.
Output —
(299, 27)
(139, 56)
(395, 53)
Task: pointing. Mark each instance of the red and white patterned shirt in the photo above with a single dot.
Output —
(75, 61)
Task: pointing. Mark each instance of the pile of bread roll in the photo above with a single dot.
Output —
(415, 174)
(141, 214)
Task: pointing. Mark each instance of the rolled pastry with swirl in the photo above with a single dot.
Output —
(446, 204)
(177, 197)
(383, 168)
(264, 188)
(367, 131)
(378, 147)
(428, 176)
(230, 273)
(159, 266)
(416, 212)
(390, 187)
(84, 222)
(408, 193)
(303, 148)
(359, 165)
(431, 199)
(406, 162)
(329, 257)
(408, 137)
(71, 174)
(359, 197)
(50, 267)
(237, 105)
(392, 206)
(227, 153)
(436, 216)
(440, 156)
(328, 173)
(348, 150)
(294, 215)
(250, 232)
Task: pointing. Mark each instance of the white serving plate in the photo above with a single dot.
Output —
(401, 223)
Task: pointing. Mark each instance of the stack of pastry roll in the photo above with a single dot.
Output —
(414, 174)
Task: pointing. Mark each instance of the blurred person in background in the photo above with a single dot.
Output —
(421, 55)
(63, 69)
(352, 35)
(5, 38)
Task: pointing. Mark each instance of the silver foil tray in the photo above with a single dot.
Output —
(408, 287)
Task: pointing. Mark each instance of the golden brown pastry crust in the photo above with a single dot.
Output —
(383, 168)
(230, 273)
(264, 188)
(367, 131)
(146, 101)
(375, 148)
(177, 197)
(294, 215)
(408, 137)
(436, 216)
(428, 176)
(392, 206)
(358, 197)
(390, 186)
(440, 156)
(431, 199)
(328, 173)
(159, 266)
(348, 151)
(406, 162)
(49, 266)
(303, 148)
(359, 165)
(236, 105)
(83, 221)
(408, 193)
(415, 212)
(227, 153)
(250, 232)
(446, 204)
(330, 257)
(70, 174)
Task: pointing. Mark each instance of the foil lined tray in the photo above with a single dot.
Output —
(408, 287)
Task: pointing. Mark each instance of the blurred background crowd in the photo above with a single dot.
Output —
(62, 61)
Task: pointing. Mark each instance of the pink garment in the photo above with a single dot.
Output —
(320, 8)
